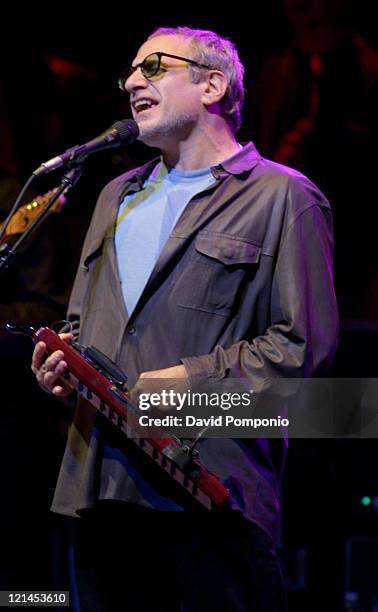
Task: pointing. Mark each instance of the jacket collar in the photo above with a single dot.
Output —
(243, 161)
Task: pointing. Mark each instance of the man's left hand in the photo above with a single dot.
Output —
(148, 383)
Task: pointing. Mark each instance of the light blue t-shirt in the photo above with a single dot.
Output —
(146, 219)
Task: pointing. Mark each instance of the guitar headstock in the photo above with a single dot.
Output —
(26, 214)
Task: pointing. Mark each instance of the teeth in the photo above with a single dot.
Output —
(142, 102)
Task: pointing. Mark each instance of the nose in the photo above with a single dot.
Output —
(135, 81)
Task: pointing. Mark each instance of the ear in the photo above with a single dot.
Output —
(215, 86)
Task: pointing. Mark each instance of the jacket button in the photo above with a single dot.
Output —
(131, 330)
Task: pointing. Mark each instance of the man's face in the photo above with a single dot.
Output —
(167, 105)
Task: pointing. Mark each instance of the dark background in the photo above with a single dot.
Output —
(311, 101)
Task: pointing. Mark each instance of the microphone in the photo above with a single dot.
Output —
(120, 133)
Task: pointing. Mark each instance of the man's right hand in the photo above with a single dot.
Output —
(49, 370)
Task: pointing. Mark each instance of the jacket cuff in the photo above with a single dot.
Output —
(200, 367)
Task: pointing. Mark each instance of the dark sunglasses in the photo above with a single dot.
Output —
(151, 66)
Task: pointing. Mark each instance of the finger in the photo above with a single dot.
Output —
(39, 355)
(59, 391)
(66, 337)
(50, 377)
(63, 388)
(52, 361)
(55, 382)
(45, 372)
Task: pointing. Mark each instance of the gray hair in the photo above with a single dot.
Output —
(220, 54)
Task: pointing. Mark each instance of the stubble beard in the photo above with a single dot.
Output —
(174, 126)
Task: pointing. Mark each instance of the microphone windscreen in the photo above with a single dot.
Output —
(127, 129)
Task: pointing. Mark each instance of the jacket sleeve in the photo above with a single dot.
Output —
(302, 336)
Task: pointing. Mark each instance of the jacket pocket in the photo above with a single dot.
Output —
(215, 272)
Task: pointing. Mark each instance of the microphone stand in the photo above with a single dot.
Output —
(7, 254)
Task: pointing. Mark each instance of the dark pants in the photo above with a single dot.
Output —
(132, 559)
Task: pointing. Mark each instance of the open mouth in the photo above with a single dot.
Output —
(143, 105)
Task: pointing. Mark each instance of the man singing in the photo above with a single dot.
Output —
(209, 261)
